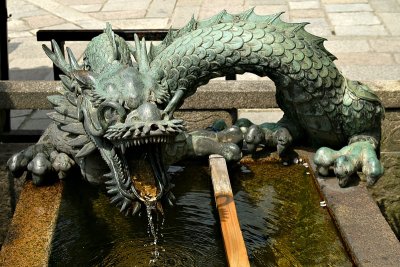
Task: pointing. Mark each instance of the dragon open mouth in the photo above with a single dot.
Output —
(138, 173)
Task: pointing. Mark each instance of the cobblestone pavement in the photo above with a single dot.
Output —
(364, 35)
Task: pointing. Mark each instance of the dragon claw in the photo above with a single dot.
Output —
(347, 161)
(40, 161)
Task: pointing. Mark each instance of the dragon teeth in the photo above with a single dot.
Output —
(127, 134)
(170, 129)
(123, 148)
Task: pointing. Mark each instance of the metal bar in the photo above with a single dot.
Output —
(235, 247)
(3, 41)
(4, 67)
(87, 35)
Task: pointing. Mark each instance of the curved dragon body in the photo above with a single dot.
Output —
(123, 109)
(310, 89)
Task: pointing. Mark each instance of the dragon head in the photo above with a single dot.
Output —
(114, 101)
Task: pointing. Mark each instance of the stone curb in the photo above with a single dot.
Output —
(225, 94)
(368, 236)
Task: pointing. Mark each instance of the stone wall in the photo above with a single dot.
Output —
(386, 191)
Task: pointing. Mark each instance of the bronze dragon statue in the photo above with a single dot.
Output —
(114, 118)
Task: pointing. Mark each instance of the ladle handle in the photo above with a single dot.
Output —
(235, 247)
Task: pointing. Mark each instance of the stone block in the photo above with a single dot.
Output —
(320, 22)
(385, 44)
(344, 1)
(77, 47)
(397, 58)
(40, 114)
(263, 2)
(145, 23)
(32, 69)
(361, 224)
(209, 11)
(248, 77)
(307, 13)
(322, 31)
(20, 113)
(259, 116)
(25, 10)
(347, 46)
(116, 15)
(361, 30)
(222, 4)
(347, 7)
(35, 124)
(22, 34)
(18, 117)
(271, 9)
(88, 8)
(15, 123)
(22, 246)
(125, 5)
(181, 3)
(43, 21)
(364, 58)
(385, 6)
(201, 119)
(392, 22)
(79, 2)
(371, 72)
(183, 14)
(354, 18)
(90, 24)
(161, 8)
(64, 26)
(17, 25)
(304, 5)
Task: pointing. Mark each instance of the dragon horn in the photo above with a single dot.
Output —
(140, 54)
(72, 60)
(111, 37)
(57, 57)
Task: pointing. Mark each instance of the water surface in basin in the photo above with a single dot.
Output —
(278, 208)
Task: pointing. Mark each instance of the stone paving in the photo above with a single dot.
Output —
(364, 35)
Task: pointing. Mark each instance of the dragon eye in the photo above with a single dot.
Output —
(110, 113)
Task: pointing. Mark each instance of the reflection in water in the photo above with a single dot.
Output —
(278, 209)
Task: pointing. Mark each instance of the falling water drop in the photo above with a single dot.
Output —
(153, 229)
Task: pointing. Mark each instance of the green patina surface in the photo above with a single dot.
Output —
(120, 111)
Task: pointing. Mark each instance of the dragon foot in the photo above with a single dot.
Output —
(280, 137)
(225, 143)
(357, 156)
(40, 161)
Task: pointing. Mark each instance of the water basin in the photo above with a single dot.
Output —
(278, 207)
